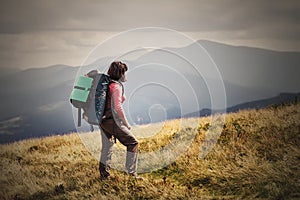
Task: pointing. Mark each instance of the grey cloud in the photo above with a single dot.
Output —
(116, 15)
(39, 33)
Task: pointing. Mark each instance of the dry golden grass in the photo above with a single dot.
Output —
(256, 157)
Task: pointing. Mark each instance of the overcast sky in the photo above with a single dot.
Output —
(42, 33)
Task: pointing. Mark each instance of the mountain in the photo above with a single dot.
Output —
(283, 98)
(24, 91)
(5, 71)
(254, 67)
(35, 102)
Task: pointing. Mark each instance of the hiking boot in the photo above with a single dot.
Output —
(104, 175)
(104, 171)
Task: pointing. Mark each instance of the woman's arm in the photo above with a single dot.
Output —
(116, 94)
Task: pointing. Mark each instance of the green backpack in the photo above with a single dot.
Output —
(89, 94)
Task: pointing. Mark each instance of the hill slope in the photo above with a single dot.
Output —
(257, 156)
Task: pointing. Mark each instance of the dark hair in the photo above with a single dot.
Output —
(116, 70)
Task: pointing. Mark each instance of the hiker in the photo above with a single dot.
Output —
(114, 124)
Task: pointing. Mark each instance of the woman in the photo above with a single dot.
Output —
(115, 124)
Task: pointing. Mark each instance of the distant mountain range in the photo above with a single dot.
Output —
(35, 102)
(283, 98)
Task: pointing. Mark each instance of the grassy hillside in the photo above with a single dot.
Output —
(257, 156)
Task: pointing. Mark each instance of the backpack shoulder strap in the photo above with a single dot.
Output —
(122, 88)
(79, 117)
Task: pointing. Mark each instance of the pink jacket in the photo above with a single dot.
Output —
(117, 97)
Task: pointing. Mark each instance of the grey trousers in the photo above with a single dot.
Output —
(123, 134)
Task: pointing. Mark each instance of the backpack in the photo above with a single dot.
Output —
(89, 94)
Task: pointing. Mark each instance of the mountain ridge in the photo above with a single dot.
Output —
(282, 98)
(247, 77)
